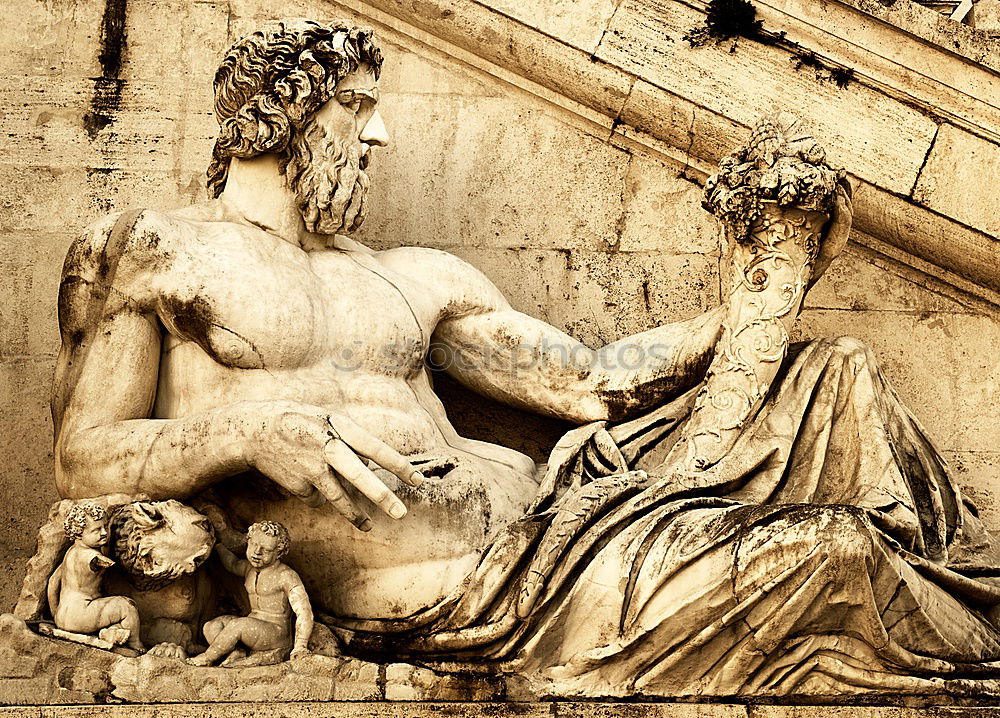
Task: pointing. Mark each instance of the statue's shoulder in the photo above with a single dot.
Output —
(441, 271)
(144, 235)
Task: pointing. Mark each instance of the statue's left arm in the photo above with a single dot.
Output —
(524, 362)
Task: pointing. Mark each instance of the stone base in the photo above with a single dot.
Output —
(46, 677)
(491, 710)
(38, 671)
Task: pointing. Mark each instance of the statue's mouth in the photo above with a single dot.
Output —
(365, 156)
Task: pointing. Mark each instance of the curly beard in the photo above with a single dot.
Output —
(329, 181)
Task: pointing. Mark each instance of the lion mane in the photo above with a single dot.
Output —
(157, 542)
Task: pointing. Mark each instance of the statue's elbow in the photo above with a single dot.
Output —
(73, 480)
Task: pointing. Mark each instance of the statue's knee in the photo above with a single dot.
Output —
(124, 607)
(214, 627)
(842, 538)
(851, 351)
(832, 536)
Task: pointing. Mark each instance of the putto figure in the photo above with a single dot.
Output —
(74, 590)
(275, 592)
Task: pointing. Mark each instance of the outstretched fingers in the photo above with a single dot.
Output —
(345, 462)
(381, 453)
(328, 487)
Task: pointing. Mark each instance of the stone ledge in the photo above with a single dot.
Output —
(556, 709)
(546, 57)
(51, 677)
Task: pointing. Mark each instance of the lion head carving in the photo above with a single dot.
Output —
(157, 542)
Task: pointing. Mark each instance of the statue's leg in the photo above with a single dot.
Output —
(214, 627)
(261, 635)
(118, 611)
(225, 639)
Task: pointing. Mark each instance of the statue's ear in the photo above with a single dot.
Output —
(146, 516)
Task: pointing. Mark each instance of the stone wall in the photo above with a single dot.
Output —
(581, 219)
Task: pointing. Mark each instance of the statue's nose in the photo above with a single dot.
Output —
(374, 132)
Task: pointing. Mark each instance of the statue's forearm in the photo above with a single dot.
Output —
(164, 458)
(643, 370)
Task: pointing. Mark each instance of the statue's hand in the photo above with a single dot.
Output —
(311, 453)
(837, 231)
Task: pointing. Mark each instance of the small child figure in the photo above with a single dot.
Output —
(275, 591)
(74, 590)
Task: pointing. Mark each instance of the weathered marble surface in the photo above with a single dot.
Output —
(152, 151)
(40, 671)
(226, 353)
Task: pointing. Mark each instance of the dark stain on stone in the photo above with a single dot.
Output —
(106, 100)
(113, 37)
(192, 318)
(94, 122)
(842, 76)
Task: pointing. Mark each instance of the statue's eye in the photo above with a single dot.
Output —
(354, 100)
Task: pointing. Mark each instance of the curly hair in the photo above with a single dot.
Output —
(273, 528)
(180, 536)
(271, 82)
(76, 519)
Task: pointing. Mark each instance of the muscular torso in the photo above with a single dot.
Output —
(250, 317)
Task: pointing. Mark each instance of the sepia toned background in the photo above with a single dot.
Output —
(560, 148)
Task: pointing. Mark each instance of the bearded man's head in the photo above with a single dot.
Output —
(267, 92)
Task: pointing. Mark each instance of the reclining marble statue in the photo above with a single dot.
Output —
(734, 515)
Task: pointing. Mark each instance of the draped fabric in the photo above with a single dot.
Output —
(828, 553)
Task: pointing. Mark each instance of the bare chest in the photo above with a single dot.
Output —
(265, 590)
(332, 311)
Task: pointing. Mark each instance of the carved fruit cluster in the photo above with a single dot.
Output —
(778, 164)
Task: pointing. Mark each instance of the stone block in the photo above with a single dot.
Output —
(43, 38)
(17, 665)
(853, 282)
(404, 682)
(32, 262)
(357, 681)
(655, 710)
(508, 43)
(492, 172)
(148, 679)
(859, 125)
(178, 43)
(154, 127)
(960, 179)
(976, 472)
(599, 297)
(26, 454)
(580, 24)
(292, 710)
(701, 135)
(662, 212)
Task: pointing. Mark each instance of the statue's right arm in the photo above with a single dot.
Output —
(230, 562)
(105, 383)
(105, 386)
